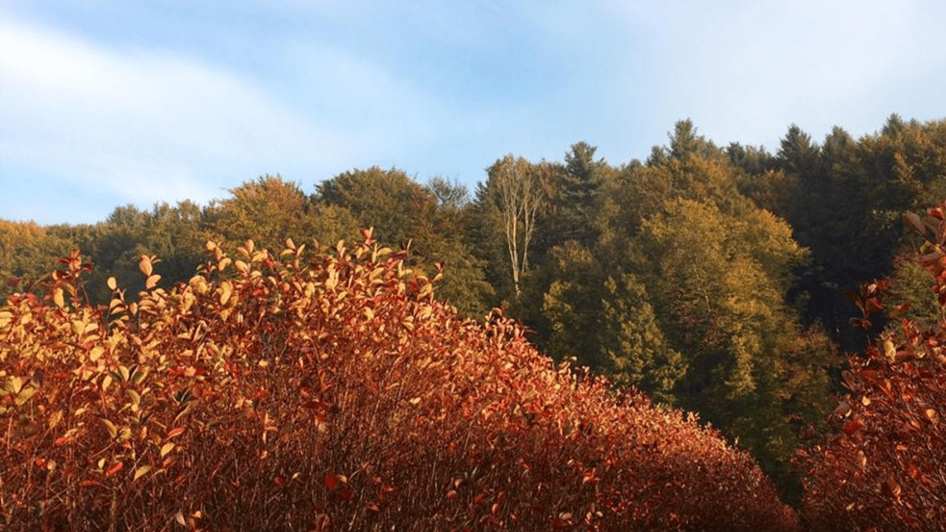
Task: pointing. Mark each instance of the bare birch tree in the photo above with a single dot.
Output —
(519, 192)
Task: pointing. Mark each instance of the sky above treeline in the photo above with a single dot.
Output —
(108, 103)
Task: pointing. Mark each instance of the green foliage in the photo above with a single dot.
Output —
(633, 346)
(388, 200)
(608, 324)
(433, 219)
(844, 199)
(575, 195)
(571, 305)
(912, 287)
(722, 299)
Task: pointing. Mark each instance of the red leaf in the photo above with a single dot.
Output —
(114, 469)
(331, 481)
(852, 427)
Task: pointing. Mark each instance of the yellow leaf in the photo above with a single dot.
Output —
(58, 298)
(890, 350)
(166, 448)
(226, 289)
(55, 418)
(14, 384)
(152, 281)
(141, 471)
(25, 395)
(112, 284)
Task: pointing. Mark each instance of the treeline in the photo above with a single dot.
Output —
(713, 278)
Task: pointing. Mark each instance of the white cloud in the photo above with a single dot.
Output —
(141, 125)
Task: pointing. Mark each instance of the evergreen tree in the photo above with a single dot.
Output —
(576, 194)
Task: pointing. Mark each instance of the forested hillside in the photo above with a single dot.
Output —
(725, 281)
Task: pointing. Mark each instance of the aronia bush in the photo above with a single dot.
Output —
(331, 391)
(884, 466)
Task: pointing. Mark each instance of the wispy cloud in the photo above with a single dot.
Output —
(138, 124)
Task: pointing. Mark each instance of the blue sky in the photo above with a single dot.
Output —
(106, 103)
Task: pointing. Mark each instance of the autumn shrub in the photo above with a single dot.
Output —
(884, 467)
(331, 391)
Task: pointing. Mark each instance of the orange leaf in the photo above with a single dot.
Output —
(114, 469)
(145, 265)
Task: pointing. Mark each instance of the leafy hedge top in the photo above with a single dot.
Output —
(318, 391)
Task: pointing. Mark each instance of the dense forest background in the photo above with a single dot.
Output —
(716, 279)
